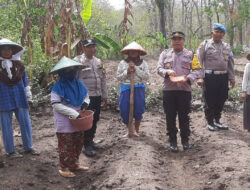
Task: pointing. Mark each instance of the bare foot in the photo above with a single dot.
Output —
(132, 134)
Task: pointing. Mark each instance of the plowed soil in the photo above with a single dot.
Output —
(218, 161)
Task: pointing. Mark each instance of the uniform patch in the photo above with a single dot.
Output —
(195, 63)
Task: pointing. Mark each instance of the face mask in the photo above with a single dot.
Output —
(67, 75)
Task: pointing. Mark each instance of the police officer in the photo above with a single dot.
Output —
(94, 77)
(179, 72)
(218, 68)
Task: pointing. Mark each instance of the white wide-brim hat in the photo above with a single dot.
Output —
(134, 46)
(14, 46)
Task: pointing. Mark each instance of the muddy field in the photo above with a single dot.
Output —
(219, 160)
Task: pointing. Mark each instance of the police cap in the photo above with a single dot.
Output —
(177, 34)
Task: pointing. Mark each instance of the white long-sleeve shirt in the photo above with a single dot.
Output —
(246, 79)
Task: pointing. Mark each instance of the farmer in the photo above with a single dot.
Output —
(246, 95)
(218, 68)
(175, 65)
(67, 97)
(132, 65)
(93, 76)
(14, 96)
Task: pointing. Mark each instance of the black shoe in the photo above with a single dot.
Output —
(212, 127)
(95, 146)
(173, 147)
(186, 146)
(220, 126)
(89, 152)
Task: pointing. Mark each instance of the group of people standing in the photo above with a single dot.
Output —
(82, 85)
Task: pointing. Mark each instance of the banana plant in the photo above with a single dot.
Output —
(107, 42)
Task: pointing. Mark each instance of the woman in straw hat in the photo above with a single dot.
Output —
(67, 97)
(14, 96)
(138, 68)
(246, 95)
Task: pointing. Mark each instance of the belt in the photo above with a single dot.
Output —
(215, 72)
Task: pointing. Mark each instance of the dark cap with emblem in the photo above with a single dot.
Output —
(177, 34)
(88, 42)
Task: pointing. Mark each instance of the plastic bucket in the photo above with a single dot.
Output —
(85, 122)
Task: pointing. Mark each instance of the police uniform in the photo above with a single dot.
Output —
(94, 77)
(177, 96)
(218, 67)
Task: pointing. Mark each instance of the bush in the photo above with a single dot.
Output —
(237, 50)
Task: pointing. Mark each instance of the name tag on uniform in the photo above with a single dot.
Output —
(186, 65)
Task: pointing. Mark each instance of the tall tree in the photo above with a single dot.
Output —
(161, 4)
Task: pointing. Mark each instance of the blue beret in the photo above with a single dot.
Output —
(218, 26)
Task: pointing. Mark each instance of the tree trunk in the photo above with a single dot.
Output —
(161, 6)
(247, 33)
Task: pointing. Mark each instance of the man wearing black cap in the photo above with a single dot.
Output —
(179, 70)
(93, 76)
(218, 69)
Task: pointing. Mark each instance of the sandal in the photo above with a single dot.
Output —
(66, 173)
(81, 168)
(14, 155)
(32, 151)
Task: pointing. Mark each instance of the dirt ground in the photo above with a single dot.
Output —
(218, 161)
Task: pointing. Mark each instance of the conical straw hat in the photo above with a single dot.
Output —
(65, 62)
(132, 47)
(15, 47)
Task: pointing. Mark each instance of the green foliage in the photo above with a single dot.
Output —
(107, 46)
(237, 50)
(86, 13)
(208, 11)
(153, 99)
(235, 100)
(113, 92)
(159, 38)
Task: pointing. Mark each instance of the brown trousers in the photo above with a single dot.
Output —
(69, 148)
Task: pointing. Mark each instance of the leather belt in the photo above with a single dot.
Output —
(215, 72)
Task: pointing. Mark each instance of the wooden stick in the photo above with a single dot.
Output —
(131, 104)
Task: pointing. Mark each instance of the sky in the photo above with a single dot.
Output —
(117, 4)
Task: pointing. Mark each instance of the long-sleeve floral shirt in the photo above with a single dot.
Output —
(141, 74)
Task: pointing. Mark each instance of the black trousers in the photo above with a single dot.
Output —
(215, 94)
(94, 105)
(177, 102)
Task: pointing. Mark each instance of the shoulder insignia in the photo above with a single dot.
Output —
(195, 63)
